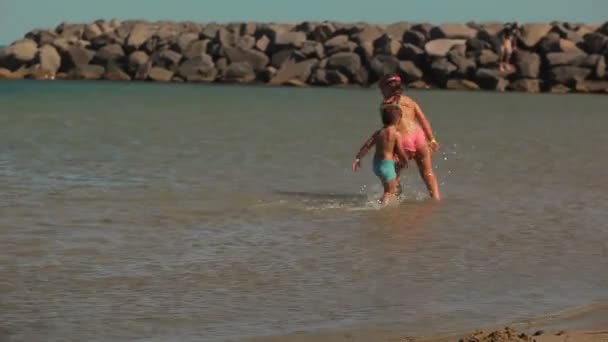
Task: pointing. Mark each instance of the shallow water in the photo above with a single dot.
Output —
(152, 211)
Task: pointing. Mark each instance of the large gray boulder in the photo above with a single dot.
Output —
(491, 79)
(528, 64)
(347, 63)
(312, 49)
(77, 56)
(569, 75)
(339, 43)
(565, 58)
(531, 34)
(50, 60)
(527, 85)
(596, 43)
(184, 41)
(441, 47)
(411, 52)
(289, 39)
(291, 71)
(23, 51)
(91, 31)
(409, 72)
(415, 38)
(138, 36)
(453, 31)
(198, 69)
(442, 69)
(160, 74)
(241, 72)
(386, 45)
(88, 72)
(108, 53)
(256, 59)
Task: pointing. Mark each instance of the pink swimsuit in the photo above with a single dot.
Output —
(414, 141)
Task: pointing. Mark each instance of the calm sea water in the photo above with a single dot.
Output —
(161, 212)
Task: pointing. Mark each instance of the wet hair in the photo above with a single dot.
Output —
(392, 83)
(390, 114)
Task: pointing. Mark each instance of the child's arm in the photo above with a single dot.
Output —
(369, 143)
(399, 149)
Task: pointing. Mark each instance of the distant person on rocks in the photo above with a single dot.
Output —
(417, 138)
(508, 45)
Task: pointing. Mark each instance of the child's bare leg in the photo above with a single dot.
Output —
(389, 190)
(425, 167)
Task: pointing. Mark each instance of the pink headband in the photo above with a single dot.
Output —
(394, 78)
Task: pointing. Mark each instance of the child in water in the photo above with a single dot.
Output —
(387, 144)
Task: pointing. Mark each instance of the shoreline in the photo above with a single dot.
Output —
(587, 323)
(554, 57)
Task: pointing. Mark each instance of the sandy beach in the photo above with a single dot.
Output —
(584, 324)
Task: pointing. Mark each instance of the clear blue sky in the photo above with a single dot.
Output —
(19, 16)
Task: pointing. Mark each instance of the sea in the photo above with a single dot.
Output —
(209, 212)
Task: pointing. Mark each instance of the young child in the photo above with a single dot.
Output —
(387, 144)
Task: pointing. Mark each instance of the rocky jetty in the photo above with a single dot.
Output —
(550, 57)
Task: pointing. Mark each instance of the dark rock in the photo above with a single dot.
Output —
(595, 43)
(487, 58)
(88, 72)
(441, 47)
(306, 27)
(318, 78)
(386, 45)
(424, 28)
(160, 74)
(531, 34)
(415, 38)
(169, 59)
(339, 43)
(397, 30)
(382, 65)
(323, 32)
(198, 69)
(565, 58)
(465, 67)
(115, 73)
(138, 36)
(271, 30)
(291, 70)
(461, 84)
(335, 77)
(77, 56)
(411, 52)
(312, 49)
(91, 32)
(256, 59)
(453, 31)
(41, 37)
(366, 38)
(281, 57)
(490, 79)
(112, 52)
(442, 69)
(586, 86)
(527, 63)
(23, 51)
(289, 39)
(349, 29)
(477, 45)
(409, 72)
(266, 75)
(245, 42)
(548, 43)
(67, 30)
(49, 58)
(347, 63)
(262, 43)
(196, 48)
(241, 72)
(569, 75)
(525, 85)
(185, 40)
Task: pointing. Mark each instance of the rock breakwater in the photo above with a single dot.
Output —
(549, 57)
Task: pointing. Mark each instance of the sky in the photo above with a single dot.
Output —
(17, 17)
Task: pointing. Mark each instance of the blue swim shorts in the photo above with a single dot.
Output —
(385, 169)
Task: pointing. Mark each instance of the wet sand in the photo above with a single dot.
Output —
(584, 324)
